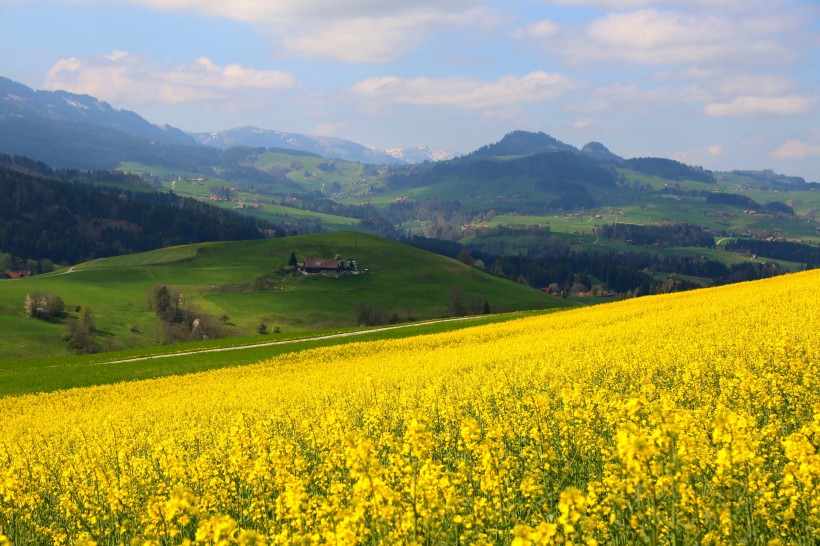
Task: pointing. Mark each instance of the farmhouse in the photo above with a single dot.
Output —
(326, 266)
(15, 275)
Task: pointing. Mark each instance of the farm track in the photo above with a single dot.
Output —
(282, 342)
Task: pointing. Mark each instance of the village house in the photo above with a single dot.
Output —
(326, 266)
(16, 274)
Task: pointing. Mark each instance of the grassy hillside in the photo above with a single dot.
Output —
(68, 372)
(253, 197)
(249, 283)
(689, 418)
(523, 190)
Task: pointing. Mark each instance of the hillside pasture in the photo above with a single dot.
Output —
(247, 283)
(152, 257)
(48, 374)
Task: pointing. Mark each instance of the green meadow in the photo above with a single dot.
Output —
(65, 372)
(248, 283)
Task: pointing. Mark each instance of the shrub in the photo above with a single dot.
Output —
(44, 305)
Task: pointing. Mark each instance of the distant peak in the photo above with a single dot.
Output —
(598, 151)
(524, 143)
(596, 147)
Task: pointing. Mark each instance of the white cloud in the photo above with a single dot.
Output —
(633, 100)
(697, 5)
(463, 92)
(662, 37)
(265, 11)
(761, 84)
(710, 37)
(756, 105)
(797, 149)
(350, 31)
(126, 79)
(609, 4)
(375, 38)
(715, 149)
(582, 123)
(540, 29)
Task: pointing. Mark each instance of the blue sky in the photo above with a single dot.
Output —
(726, 84)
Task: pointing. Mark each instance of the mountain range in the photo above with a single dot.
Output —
(19, 102)
(71, 130)
(329, 147)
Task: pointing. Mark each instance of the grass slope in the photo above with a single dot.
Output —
(220, 279)
(351, 183)
(66, 372)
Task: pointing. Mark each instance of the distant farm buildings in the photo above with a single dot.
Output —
(327, 266)
(16, 274)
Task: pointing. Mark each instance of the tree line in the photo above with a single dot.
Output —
(70, 223)
(662, 235)
(669, 169)
(778, 250)
(736, 200)
(624, 273)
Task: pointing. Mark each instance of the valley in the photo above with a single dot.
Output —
(537, 227)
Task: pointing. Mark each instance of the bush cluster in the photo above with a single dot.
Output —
(179, 320)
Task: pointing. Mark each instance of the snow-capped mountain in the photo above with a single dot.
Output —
(73, 130)
(330, 147)
(419, 154)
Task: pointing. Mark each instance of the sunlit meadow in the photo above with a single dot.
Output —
(691, 418)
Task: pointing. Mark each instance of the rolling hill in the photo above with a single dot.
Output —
(528, 196)
(248, 283)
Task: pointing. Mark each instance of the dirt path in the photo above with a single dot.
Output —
(283, 342)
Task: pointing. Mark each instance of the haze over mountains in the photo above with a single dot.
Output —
(66, 129)
(529, 208)
(19, 102)
(330, 147)
(56, 126)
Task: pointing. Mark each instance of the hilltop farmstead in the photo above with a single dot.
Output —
(327, 266)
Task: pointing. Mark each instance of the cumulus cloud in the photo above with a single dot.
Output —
(634, 100)
(540, 29)
(757, 105)
(715, 149)
(366, 39)
(376, 38)
(797, 149)
(351, 31)
(609, 4)
(126, 79)
(622, 5)
(463, 92)
(651, 36)
(761, 83)
(676, 34)
(262, 11)
(582, 123)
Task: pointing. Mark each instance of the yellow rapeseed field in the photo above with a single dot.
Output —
(691, 418)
